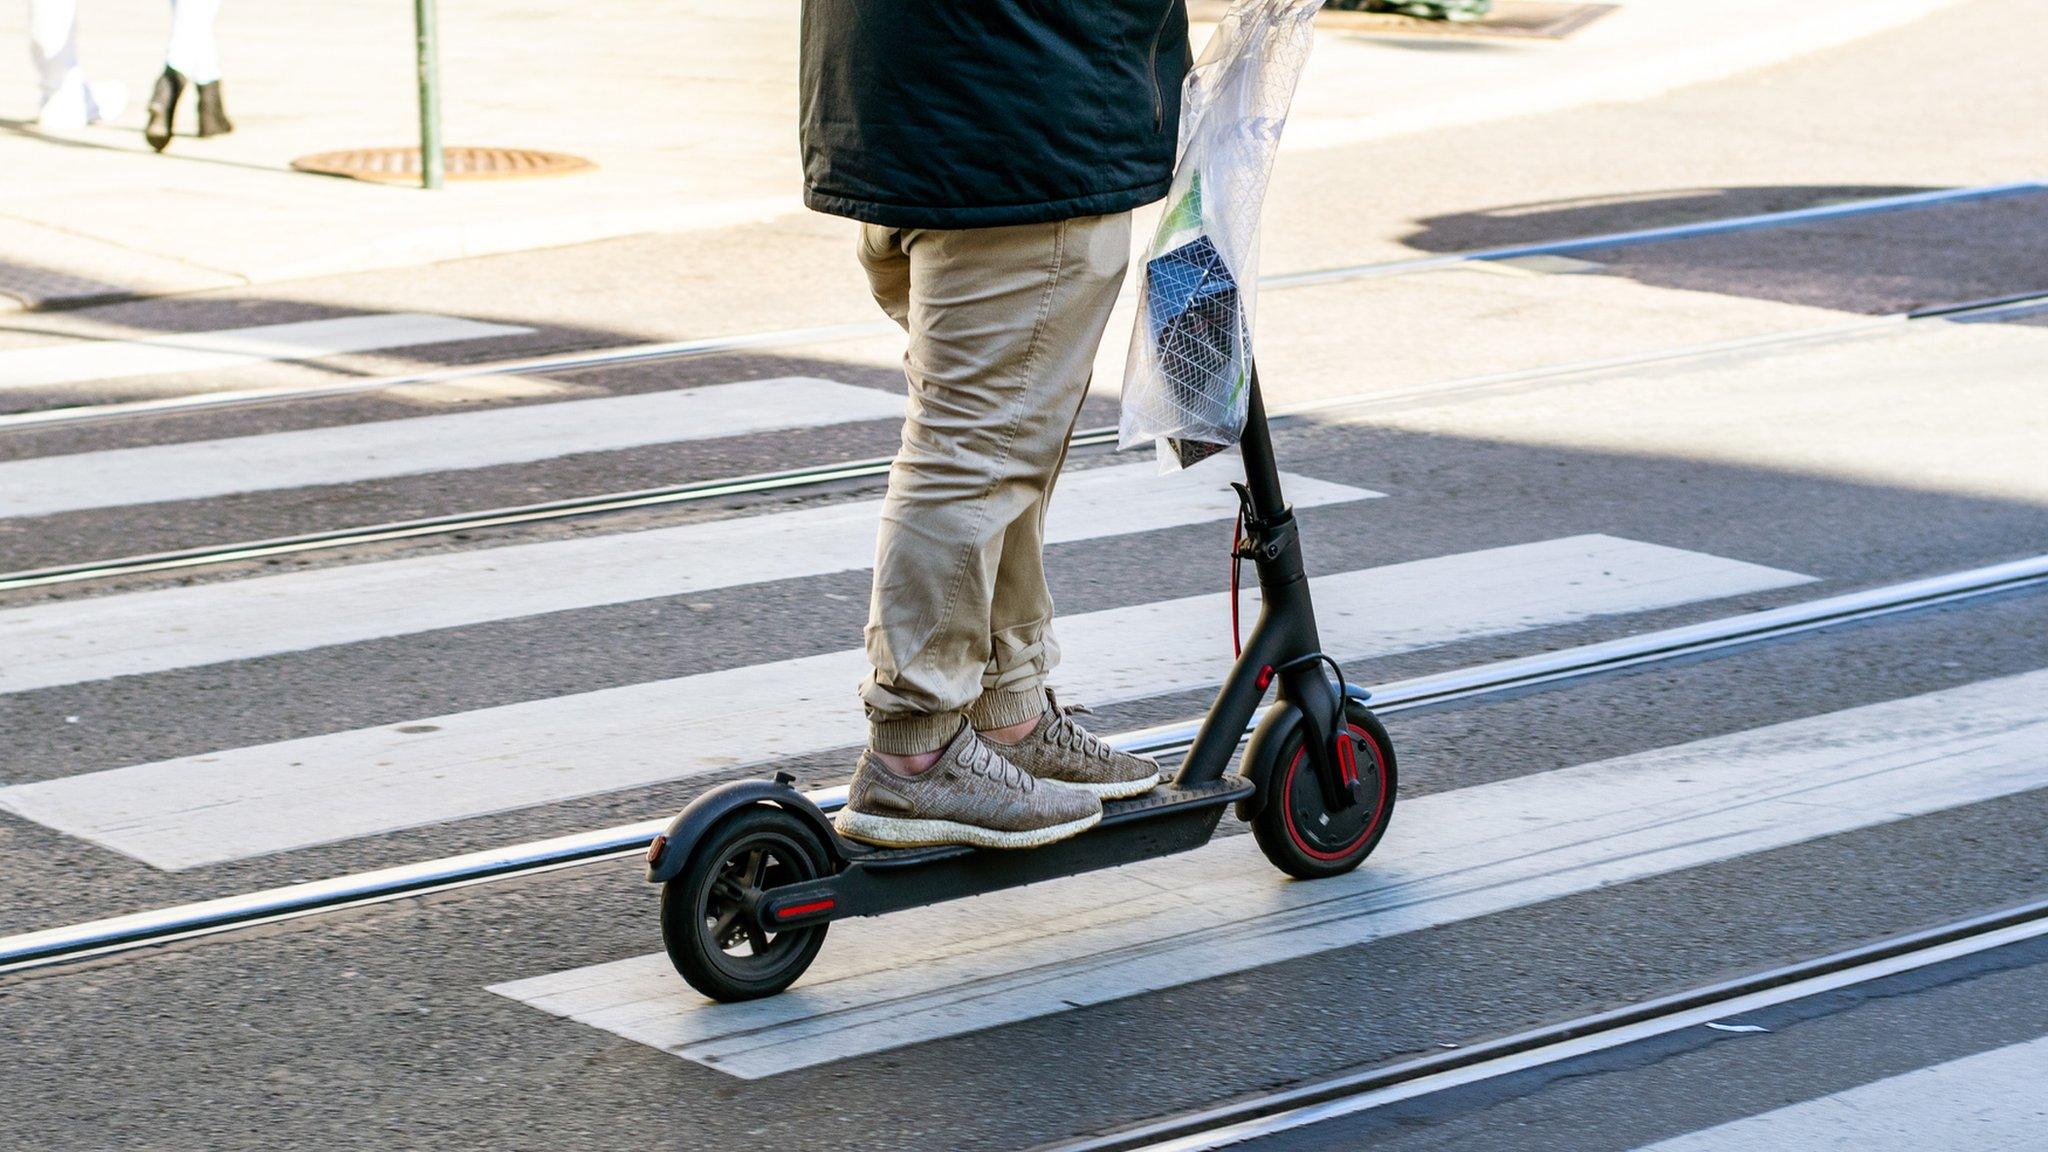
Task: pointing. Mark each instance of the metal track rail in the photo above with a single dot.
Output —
(817, 477)
(1326, 1100)
(1962, 311)
(162, 926)
(821, 476)
(673, 350)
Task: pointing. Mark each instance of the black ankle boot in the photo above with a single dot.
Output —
(163, 104)
(213, 115)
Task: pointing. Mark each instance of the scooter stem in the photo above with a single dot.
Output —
(1284, 644)
(1261, 473)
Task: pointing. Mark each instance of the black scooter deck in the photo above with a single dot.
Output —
(874, 881)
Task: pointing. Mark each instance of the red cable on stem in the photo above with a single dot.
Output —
(1236, 571)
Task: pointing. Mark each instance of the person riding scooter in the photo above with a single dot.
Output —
(974, 141)
(992, 153)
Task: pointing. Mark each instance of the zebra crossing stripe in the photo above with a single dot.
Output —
(175, 352)
(74, 641)
(354, 453)
(950, 969)
(230, 805)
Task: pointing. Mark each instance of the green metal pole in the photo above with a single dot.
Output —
(427, 27)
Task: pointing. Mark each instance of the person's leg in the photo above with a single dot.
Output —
(70, 101)
(1022, 650)
(999, 319)
(1015, 712)
(191, 57)
(1004, 324)
(53, 44)
(192, 51)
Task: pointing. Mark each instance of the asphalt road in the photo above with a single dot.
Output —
(1840, 1067)
(1722, 482)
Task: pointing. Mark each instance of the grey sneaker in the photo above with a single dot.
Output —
(1060, 750)
(971, 796)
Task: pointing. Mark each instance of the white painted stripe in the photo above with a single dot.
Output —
(230, 348)
(942, 971)
(1990, 1102)
(251, 801)
(72, 641)
(422, 444)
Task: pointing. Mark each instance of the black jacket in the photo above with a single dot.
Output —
(977, 113)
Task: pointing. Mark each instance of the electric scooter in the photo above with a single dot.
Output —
(753, 872)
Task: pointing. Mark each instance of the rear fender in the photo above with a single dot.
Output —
(669, 851)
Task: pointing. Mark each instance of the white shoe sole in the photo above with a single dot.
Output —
(1115, 789)
(901, 832)
(81, 103)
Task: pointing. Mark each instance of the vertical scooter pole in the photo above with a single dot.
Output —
(426, 27)
(1261, 472)
(1283, 642)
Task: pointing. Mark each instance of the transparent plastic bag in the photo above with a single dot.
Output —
(1186, 382)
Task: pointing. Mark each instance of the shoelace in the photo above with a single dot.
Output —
(1065, 733)
(982, 760)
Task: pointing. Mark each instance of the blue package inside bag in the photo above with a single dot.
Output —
(1192, 313)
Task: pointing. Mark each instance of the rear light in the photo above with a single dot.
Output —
(792, 911)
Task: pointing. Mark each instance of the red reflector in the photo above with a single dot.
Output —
(806, 908)
(1265, 677)
(654, 850)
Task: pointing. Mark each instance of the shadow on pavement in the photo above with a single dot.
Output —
(30, 284)
(1545, 220)
(131, 144)
(1877, 263)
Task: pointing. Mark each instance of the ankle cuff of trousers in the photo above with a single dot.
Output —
(1002, 709)
(913, 735)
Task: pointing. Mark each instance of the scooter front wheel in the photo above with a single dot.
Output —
(710, 912)
(1297, 828)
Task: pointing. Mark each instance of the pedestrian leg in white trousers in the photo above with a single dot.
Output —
(69, 100)
(192, 51)
(53, 43)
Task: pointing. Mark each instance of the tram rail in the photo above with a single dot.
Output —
(1272, 1114)
(818, 478)
(142, 930)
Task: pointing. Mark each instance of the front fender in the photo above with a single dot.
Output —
(670, 850)
(1259, 755)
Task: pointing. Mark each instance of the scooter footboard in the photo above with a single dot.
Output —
(874, 882)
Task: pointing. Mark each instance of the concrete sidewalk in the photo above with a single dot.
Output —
(688, 107)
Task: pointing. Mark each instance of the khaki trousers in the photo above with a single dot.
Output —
(1004, 325)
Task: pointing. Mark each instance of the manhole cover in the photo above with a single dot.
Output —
(402, 165)
(1510, 19)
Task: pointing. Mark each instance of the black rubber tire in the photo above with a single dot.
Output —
(693, 901)
(1290, 827)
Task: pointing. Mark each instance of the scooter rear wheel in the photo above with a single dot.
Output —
(1296, 828)
(710, 913)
